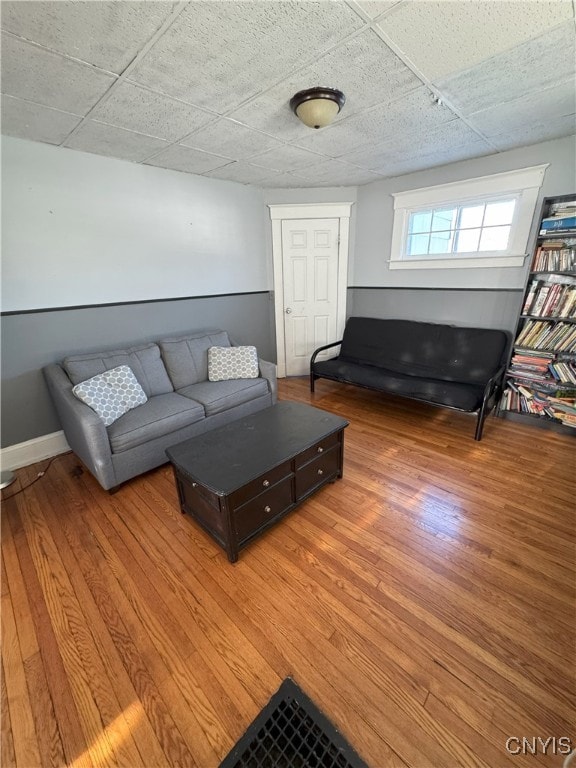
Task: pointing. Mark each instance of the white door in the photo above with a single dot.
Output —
(310, 288)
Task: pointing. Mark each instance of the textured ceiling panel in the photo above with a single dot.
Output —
(526, 69)
(558, 101)
(232, 139)
(106, 34)
(26, 120)
(203, 86)
(243, 173)
(467, 32)
(336, 172)
(188, 160)
(415, 113)
(114, 142)
(217, 54)
(138, 109)
(532, 133)
(35, 74)
(286, 158)
(418, 143)
(364, 68)
(376, 7)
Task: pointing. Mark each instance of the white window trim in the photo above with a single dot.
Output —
(525, 183)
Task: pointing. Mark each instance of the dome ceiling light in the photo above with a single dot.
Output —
(317, 107)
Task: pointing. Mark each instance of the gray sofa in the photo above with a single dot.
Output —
(182, 402)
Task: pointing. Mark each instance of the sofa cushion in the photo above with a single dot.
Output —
(144, 360)
(225, 363)
(446, 352)
(161, 415)
(218, 396)
(111, 394)
(467, 397)
(186, 357)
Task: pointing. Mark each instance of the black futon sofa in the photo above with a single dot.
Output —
(455, 367)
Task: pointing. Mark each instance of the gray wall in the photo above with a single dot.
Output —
(31, 340)
(79, 229)
(378, 291)
(83, 229)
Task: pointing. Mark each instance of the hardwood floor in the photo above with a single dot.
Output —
(425, 602)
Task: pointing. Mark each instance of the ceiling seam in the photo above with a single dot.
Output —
(122, 77)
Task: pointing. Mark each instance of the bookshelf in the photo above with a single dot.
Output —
(540, 382)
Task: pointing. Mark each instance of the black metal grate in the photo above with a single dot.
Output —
(291, 732)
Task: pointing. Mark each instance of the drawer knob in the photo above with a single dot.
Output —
(267, 509)
(266, 483)
(320, 471)
(320, 449)
(194, 485)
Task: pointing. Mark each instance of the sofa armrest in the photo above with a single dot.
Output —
(268, 371)
(83, 428)
(321, 349)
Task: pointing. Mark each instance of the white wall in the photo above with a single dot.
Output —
(83, 229)
(374, 217)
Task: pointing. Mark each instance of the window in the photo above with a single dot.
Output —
(480, 222)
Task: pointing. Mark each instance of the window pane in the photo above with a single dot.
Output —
(417, 245)
(499, 213)
(468, 240)
(443, 219)
(494, 239)
(420, 222)
(471, 216)
(441, 242)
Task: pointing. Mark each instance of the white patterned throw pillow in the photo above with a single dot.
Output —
(112, 393)
(226, 363)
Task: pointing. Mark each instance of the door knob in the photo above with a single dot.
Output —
(288, 311)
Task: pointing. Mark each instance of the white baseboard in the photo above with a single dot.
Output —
(31, 451)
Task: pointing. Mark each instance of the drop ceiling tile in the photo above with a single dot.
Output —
(138, 109)
(218, 54)
(534, 133)
(108, 140)
(555, 102)
(376, 7)
(286, 158)
(536, 65)
(180, 158)
(106, 34)
(231, 139)
(415, 112)
(410, 162)
(32, 73)
(243, 173)
(364, 68)
(26, 120)
(467, 32)
(416, 142)
(337, 173)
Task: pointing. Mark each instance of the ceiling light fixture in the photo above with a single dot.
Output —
(317, 107)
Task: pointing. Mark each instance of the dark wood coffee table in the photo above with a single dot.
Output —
(238, 480)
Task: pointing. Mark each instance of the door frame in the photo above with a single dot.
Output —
(280, 212)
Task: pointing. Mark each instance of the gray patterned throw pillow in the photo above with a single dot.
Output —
(112, 393)
(226, 363)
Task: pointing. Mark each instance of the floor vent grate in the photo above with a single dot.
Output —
(291, 732)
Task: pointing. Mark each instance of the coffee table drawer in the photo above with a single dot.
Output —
(317, 450)
(316, 472)
(256, 513)
(255, 487)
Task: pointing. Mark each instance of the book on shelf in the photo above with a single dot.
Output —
(558, 223)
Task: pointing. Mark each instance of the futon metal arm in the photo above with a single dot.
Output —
(313, 358)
